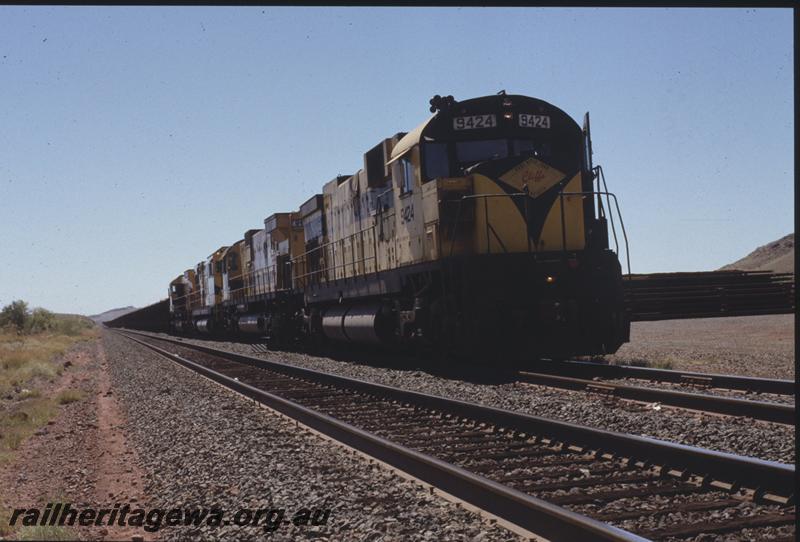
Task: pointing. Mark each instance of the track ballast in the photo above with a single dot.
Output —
(526, 469)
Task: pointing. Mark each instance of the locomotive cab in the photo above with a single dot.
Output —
(500, 191)
(204, 317)
(232, 273)
(179, 292)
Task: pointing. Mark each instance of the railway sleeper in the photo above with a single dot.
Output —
(608, 496)
(363, 409)
(405, 428)
(302, 393)
(427, 434)
(567, 471)
(478, 465)
(683, 507)
(419, 443)
(568, 462)
(727, 525)
(589, 482)
(345, 400)
(476, 447)
(330, 401)
(506, 455)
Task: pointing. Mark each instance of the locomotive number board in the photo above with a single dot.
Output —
(534, 121)
(474, 121)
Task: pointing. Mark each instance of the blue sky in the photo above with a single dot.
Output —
(134, 141)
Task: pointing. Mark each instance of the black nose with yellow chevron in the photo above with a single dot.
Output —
(534, 208)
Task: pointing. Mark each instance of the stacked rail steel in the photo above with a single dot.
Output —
(153, 317)
(665, 296)
(656, 296)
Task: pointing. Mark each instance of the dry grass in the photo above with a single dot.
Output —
(34, 533)
(5, 517)
(26, 357)
(21, 421)
(27, 363)
(46, 533)
(70, 396)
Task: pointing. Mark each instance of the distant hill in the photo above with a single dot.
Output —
(777, 256)
(111, 314)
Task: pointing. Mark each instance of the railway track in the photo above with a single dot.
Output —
(758, 410)
(601, 379)
(562, 481)
(586, 369)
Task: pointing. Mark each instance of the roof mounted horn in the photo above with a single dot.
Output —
(440, 104)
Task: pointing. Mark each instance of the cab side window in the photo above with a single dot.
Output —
(437, 162)
(406, 176)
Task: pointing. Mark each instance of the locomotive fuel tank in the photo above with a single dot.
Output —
(252, 324)
(366, 323)
(205, 325)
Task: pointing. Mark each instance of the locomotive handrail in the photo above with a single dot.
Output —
(303, 258)
(619, 214)
(561, 195)
(255, 283)
(264, 287)
(600, 175)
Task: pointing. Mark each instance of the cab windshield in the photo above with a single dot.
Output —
(472, 152)
(445, 159)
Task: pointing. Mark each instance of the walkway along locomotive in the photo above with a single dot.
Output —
(483, 230)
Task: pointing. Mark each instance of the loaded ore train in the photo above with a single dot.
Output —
(483, 230)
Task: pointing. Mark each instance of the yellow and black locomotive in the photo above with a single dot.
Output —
(482, 231)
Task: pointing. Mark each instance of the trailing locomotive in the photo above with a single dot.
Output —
(482, 230)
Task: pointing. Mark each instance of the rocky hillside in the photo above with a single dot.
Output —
(777, 256)
(111, 314)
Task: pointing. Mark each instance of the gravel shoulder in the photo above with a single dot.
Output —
(762, 346)
(202, 445)
(82, 456)
(734, 435)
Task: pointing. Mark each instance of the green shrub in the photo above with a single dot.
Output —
(72, 325)
(15, 315)
(41, 320)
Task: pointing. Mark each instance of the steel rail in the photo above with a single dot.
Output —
(584, 369)
(759, 410)
(717, 468)
(528, 512)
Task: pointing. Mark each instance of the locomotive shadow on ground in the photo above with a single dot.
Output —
(465, 370)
